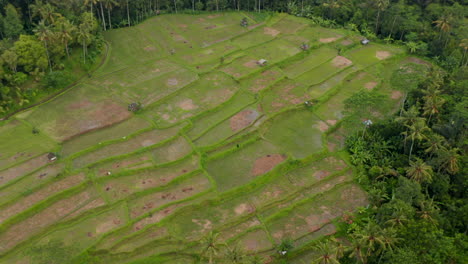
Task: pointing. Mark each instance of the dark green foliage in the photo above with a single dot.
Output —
(12, 24)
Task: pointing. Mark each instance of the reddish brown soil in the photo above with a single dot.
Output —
(213, 16)
(210, 27)
(321, 174)
(327, 40)
(370, 85)
(187, 105)
(267, 77)
(38, 222)
(172, 82)
(81, 104)
(243, 119)
(382, 55)
(322, 126)
(341, 62)
(270, 31)
(265, 164)
(396, 95)
(22, 169)
(251, 64)
(332, 122)
(244, 208)
(150, 48)
(346, 42)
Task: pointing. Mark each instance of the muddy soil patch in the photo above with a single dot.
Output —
(243, 119)
(267, 163)
(251, 64)
(396, 95)
(270, 31)
(187, 105)
(382, 55)
(341, 62)
(370, 85)
(327, 40)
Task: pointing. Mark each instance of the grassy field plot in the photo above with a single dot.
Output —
(312, 60)
(320, 35)
(309, 216)
(230, 127)
(125, 128)
(372, 54)
(244, 165)
(262, 81)
(143, 140)
(324, 71)
(13, 148)
(290, 25)
(282, 95)
(176, 192)
(202, 124)
(298, 133)
(210, 91)
(83, 109)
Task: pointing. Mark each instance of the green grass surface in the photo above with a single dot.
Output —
(220, 143)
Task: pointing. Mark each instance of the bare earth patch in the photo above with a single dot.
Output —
(346, 42)
(321, 174)
(327, 40)
(244, 208)
(271, 31)
(322, 126)
(22, 169)
(81, 104)
(172, 82)
(187, 105)
(370, 85)
(396, 95)
(382, 55)
(251, 64)
(150, 48)
(243, 119)
(265, 164)
(332, 122)
(341, 62)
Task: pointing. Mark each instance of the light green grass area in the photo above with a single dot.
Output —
(15, 149)
(297, 133)
(220, 143)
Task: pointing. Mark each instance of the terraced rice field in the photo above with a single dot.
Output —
(221, 144)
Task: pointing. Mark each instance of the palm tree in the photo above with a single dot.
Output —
(84, 36)
(432, 100)
(91, 3)
(45, 11)
(415, 132)
(409, 117)
(327, 253)
(381, 6)
(434, 143)
(449, 159)
(128, 14)
(65, 31)
(464, 45)
(412, 46)
(109, 4)
(103, 20)
(419, 171)
(375, 239)
(211, 246)
(235, 254)
(427, 210)
(357, 249)
(44, 34)
(443, 23)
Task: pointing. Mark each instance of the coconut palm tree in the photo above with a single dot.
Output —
(211, 246)
(415, 132)
(449, 160)
(66, 31)
(443, 24)
(432, 100)
(427, 210)
(419, 171)
(434, 143)
(91, 3)
(84, 36)
(109, 4)
(45, 11)
(464, 45)
(235, 254)
(327, 253)
(374, 240)
(44, 34)
(381, 6)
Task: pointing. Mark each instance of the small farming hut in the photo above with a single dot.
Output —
(262, 62)
(51, 156)
(365, 41)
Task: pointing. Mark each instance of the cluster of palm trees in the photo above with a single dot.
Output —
(364, 243)
(54, 29)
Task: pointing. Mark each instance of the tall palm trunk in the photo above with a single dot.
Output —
(48, 57)
(377, 22)
(66, 49)
(128, 14)
(109, 17)
(175, 6)
(217, 5)
(84, 52)
(102, 16)
(411, 149)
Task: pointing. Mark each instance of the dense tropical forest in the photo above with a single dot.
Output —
(412, 165)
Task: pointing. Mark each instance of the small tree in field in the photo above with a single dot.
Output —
(134, 107)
